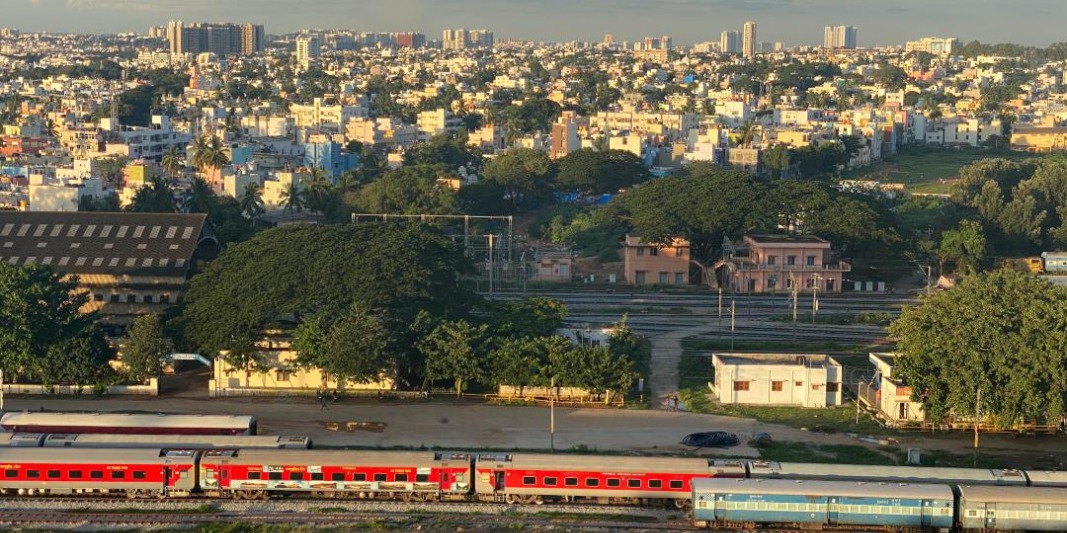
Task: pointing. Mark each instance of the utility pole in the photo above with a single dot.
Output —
(815, 297)
(720, 308)
(733, 324)
(490, 266)
(552, 416)
(794, 290)
(977, 414)
(929, 276)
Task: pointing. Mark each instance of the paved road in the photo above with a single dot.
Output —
(456, 425)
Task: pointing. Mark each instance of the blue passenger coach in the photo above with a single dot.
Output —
(766, 502)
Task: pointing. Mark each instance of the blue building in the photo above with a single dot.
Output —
(329, 157)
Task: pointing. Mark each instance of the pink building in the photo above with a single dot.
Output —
(775, 261)
(651, 264)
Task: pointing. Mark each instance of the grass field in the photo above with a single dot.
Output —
(927, 170)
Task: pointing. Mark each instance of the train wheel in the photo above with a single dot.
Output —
(511, 498)
(682, 503)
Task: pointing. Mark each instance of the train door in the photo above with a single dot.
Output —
(167, 473)
(831, 512)
(991, 516)
(720, 507)
(498, 480)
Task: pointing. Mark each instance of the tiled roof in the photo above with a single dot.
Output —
(132, 244)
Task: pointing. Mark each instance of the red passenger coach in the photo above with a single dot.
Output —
(412, 476)
(136, 473)
(532, 478)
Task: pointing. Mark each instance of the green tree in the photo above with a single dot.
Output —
(410, 190)
(252, 201)
(154, 197)
(352, 345)
(45, 338)
(172, 162)
(144, 348)
(397, 269)
(964, 247)
(997, 334)
(522, 361)
(455, 350)
(528, 318)
(593, 172)
(449, 150)
(526, 176)
(776, 159)
(293, 200)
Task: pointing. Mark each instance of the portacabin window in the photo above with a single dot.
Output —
(529, 480)
(550, 481)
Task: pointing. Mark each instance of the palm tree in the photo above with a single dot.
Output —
(200, 198)
(201, 147)
(293, 199)
(216, 156)
(172, 162)
(252, 201)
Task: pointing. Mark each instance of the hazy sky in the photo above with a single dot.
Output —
(1037, 22)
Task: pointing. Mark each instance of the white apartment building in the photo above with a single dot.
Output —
(890, 396)
(325, 114)
(809, 380)
(436, 122)
(55, 195)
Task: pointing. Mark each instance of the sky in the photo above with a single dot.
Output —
(794, 22)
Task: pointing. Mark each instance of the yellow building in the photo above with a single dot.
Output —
(1040, 139)
(277, 373)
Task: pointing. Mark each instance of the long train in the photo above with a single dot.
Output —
(142, 424)
(511, 478)
(771, 504)
(127, 440)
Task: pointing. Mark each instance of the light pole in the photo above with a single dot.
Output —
(720, 308)
(733, 323)
(815, 296)
(552, 415)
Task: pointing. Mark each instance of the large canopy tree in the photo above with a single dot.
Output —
(286, 274)
(45, 338)
(999, 335)
(592, 172)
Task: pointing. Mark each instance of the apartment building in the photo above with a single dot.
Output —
(775, 262)
(652, 264)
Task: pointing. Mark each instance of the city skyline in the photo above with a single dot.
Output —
(795, 22)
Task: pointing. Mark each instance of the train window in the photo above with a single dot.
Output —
(53, 474)
(96, 474)
(276, 476)
(613, 482)
(676, 484)
(529, 480)
(118, 474)
(592, 482)
(11, 474)
(140, 475)
(75, 474)
(570, 481)
(296, 476)
(337, 476)
(33, 473)
(380, 477)
(655, 483)
(422, 478)
(316, 476)
(400, 477)
(550, 481)
(633, 483)
(254, 475)
(359, 477)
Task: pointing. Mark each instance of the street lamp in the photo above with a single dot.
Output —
(815, 296)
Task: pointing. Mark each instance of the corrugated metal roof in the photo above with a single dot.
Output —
(334, 457)
(130, 244)
(582, 463)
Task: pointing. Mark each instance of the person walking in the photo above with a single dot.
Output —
(323, 402)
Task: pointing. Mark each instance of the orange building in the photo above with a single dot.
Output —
(774, 261)
(652, 264)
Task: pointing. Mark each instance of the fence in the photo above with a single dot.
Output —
(152, 389)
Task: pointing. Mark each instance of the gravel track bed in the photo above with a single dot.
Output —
(304, 506)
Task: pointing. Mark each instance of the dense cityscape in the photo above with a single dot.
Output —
(736, 283)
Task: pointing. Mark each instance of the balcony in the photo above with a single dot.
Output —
(766, 267)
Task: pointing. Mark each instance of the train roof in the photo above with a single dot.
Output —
(88, 455)
(1034, 495)
(613, 463)
(821, 488)
(124, 440)
(1047, 478)
(908, 474)
(345, 457)
(125, 420)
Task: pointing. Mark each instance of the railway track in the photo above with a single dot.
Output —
(496, 516)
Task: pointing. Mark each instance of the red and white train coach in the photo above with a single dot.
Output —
(134, 472)
(416, 476)
(534, 478)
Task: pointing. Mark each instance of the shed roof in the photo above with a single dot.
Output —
(130, 244)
